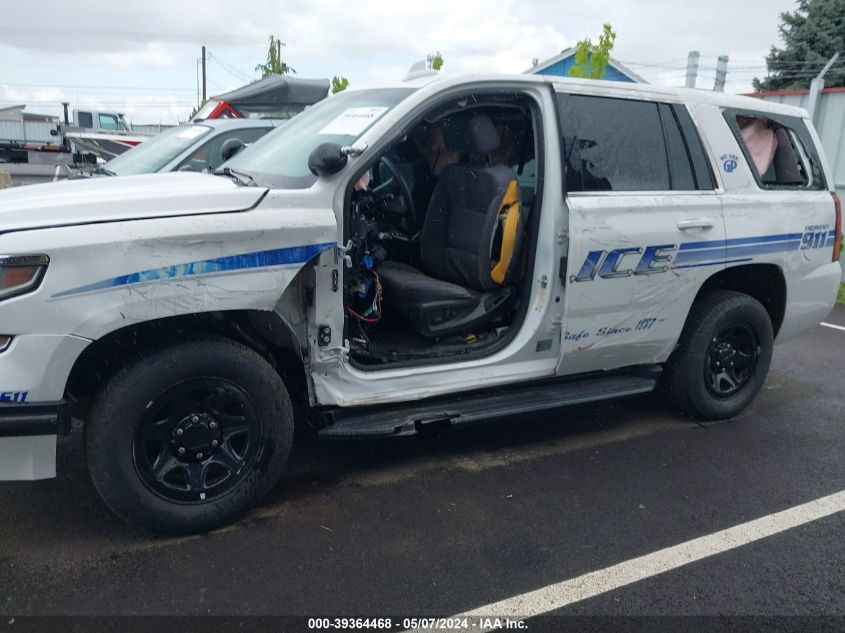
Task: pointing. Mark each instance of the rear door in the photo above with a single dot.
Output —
(645, 229)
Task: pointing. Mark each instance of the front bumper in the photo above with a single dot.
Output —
(28, 439)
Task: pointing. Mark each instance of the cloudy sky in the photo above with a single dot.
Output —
(141, 57)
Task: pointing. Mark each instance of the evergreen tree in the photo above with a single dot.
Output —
(811, 35)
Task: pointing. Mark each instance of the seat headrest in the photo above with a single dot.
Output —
(471, 134)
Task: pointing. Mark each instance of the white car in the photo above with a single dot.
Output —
(189, 147)
(393, 260)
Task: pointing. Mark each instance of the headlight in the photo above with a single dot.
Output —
(20, 274)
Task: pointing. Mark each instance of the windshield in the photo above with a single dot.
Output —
(155, 153)
(280, 159)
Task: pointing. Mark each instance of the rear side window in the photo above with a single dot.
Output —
(614, 144)
(778, 150)
(85, 119)
(698, 158)
(680, 169)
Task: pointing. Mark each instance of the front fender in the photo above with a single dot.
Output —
(105, 277)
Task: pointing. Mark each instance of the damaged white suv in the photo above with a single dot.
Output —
(401, 258)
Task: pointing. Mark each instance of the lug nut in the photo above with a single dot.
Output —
(215, 443)
(199, 455)
(181, 450)
(195, 419)
(213, 425)
(180, 431)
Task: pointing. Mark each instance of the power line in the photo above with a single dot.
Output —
(186, 38)
(84, 87)
(94, 103)
(237, 74)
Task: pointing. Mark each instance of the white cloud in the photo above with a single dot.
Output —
(154, 55)
(151, 47)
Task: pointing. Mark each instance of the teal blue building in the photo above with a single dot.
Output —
(560, 64)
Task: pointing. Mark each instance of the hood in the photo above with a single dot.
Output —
(97, 200)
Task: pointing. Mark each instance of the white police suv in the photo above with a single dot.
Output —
(405, 258)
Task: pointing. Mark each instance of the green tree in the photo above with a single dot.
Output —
(811, 35)
(436, 61)
(339, 84)
(591, 60)
(274, 64)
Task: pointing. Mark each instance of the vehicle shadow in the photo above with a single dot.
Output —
(66, 516)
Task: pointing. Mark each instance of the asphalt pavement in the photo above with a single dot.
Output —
(447, 524)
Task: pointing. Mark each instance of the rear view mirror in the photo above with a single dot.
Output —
(327, 159)
(231, 147)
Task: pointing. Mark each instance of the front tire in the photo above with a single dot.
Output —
(723, 356)
(190, 437)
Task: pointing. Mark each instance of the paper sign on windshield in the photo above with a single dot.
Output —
(353, 121)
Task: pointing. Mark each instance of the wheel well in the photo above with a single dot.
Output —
(265, 332)
(764, 282)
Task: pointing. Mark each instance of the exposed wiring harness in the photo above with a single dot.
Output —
(373, 313)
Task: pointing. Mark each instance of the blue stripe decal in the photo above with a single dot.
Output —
(729, 261)
(760, 249)
(260, 259)
(740, 241)
(737, 251)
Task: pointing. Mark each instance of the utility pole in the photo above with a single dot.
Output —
(203, 73)
(817, 85)
(721, 73)
(692, 68)
(279, 52)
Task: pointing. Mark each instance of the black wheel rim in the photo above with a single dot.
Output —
(731, 360)
(198, 440)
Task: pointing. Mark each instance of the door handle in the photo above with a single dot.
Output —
(699, 223)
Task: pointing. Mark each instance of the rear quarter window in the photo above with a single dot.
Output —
(778, 150)
(614, 144)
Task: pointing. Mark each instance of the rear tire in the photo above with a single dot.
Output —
(190, 437)
(722, 358)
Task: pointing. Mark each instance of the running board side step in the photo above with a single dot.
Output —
(474, 407)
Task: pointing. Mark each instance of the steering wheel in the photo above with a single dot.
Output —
(404, 189)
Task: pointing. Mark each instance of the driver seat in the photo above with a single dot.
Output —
(470, 244)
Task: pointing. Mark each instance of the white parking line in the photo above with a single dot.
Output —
(589, 585)
(835, 327)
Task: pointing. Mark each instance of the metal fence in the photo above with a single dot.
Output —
(152, 128)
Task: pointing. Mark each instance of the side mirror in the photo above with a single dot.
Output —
(231, 147)
(327, 159)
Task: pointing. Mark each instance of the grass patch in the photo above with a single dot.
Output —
(841, 298)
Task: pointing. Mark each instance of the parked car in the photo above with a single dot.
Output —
(189, 147)
(398, 259)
